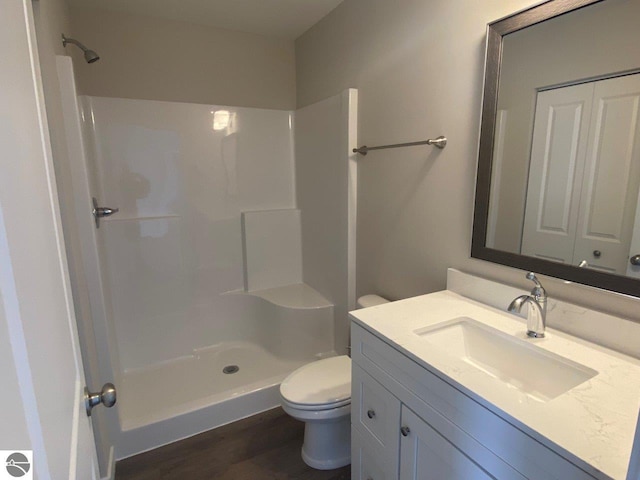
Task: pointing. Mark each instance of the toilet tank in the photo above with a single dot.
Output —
(371, 300)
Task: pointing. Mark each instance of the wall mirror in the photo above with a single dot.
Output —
(559, 161)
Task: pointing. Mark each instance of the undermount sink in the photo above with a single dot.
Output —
(538, 373)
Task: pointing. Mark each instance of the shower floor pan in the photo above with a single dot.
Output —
(214, 386)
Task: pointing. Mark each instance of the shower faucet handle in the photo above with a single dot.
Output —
(101, 212)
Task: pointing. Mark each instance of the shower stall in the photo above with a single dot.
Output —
(204, 286)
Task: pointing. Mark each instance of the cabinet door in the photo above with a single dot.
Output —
(374, 411)
(427, 454)
(375, 414)
(555, 175)
(611, 176)
(367, 463)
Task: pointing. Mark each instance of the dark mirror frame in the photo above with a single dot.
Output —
(495, 33)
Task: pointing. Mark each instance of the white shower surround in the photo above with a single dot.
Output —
(172, 262)
(176, 245)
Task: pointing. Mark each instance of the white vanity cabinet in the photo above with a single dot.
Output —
(408, 423)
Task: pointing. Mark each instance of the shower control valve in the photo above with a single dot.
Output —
(101, 212)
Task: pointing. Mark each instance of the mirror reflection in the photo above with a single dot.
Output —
(566, 155)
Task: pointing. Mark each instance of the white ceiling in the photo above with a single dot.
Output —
(279, 18)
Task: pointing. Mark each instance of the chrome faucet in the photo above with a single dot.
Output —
(537, 314)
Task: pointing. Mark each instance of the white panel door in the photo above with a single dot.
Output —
(633, 270)
(427, 454)
(34, 281)
(611, 177)
(555, 176)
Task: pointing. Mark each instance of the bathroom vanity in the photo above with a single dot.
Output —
(446, 387)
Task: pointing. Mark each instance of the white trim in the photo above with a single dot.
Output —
(350, 96)
(111, 466)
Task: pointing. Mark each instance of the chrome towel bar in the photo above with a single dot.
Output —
(439, 142)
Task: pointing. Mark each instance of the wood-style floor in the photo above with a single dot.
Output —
(262, 447)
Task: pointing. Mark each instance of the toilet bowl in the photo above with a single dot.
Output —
(319, 394)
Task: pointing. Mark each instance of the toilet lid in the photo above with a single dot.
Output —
(323, 382)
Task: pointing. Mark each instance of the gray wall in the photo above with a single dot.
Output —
(598, 40)
(418, 66)
(157, 59)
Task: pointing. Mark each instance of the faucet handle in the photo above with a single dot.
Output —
(532, 276)
(538, 291)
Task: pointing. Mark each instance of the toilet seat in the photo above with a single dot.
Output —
(319, 416)
(317, 407)
(321, 385)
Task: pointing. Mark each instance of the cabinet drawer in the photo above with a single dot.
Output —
(374, 410)
(366, 461)
(417, 387)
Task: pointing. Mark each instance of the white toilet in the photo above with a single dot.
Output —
(319, 394)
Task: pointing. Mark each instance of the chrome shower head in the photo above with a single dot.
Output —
(89, 55)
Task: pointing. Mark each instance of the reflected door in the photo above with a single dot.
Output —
(611, 178)
(555, 176)
(633, 269)
(584, 175)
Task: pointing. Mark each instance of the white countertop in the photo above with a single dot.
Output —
(594, 421)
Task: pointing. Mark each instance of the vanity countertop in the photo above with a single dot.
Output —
(594, 421)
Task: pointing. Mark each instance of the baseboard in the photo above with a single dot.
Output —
(111, 471)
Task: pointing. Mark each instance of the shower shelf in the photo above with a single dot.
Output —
(296, 296)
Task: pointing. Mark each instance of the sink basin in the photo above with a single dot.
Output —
(538, 373)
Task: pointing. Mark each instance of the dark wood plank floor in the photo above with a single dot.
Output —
(266, 446)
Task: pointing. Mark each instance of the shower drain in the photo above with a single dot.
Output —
(229, 369)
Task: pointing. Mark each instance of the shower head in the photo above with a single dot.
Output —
(89, 55)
